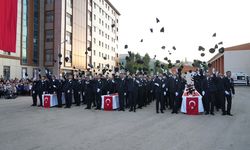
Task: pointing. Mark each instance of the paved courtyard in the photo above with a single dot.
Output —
(23, 127)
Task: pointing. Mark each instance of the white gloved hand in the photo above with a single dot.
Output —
(165, 93)
(163, 85)
(157, 84)
(226, 92)
(83, 93)
(176, 93)
(54, 86)
(203, 93)
(108, 92)
(98, 90)
(33, 92)
(125, 94)
(166, 89)
(68, 91)
(151, 91)
(43, 92)
(79, 92)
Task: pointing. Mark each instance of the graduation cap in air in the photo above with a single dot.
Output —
(141, 40)
(90, 65)
(174, 48)
(220, 43)
(26, 74)
(170, 53)
(127, 58)
(209, 65)
(216, 46)
(211, 50)
(157, 20)
(169, 61)
(202, 54)
(66, 59)
(139, 61)
(105, 58)
(107, 65)
(163, 47)
(201, 48)
(170, 65)
(129, 53)
(221, 50)
(154, 56)
(104, 71)
(166, 58)
(162, 66)
(214, 35)
(55, 61)
(74, 67)
(113, 25)
(178, 61)
(60, 55)
(162, 30)
(60, 63)
(86, 53)
(89, 49)
(116, 69)
(151, 30)
(110, 70)
(126, 46)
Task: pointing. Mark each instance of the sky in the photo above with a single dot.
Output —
(188, 24)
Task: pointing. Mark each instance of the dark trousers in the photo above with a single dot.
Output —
(227, 98)
(133, 100)
(59, 98)
(40, 95)
(140, 97)
(219, 99)
(77, 96)
(177, 102)
(84, 98)
(34, 98)
(211, 101)
(150, 97)
(68, 99)
(121, 100)
(89, 100)
(171, 100)
(159, 101)
(98, 100)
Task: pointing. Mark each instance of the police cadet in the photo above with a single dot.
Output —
(171, 89)
(122, 91)
(220, 93)
(89, 91)
(77, 88)
(111, 85)
(150, 88)
(140, 91)
(98, 86)
(59, 91)
(83, 82)
(133, 85)
(229, 91)
(164, 91)
(34, 91)
(209, 91)
(158, 93)
(68, 90)
(43, 85)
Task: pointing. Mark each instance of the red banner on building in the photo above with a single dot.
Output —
(8, 25)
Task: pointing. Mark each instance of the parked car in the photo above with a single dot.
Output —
(240, 78)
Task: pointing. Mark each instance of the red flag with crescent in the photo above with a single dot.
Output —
(192, 106)
(108, 103)
(46, 103)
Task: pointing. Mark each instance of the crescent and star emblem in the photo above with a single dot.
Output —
(108, 101)
(193, 104)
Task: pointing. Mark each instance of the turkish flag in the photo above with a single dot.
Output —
(8, 25)
(108, 103)
(192, 105)
(46, 103)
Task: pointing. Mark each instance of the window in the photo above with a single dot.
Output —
(69, 19)
(99, 56)
(89, 30)
(49, 2)
(99, 43)
(94, 40)
(94, 52)
(94, 17)
(100, 10)
(24, 71)
(69, 54)
(94, 65)
(48, 57)
(95, 5)
(100, 21)
(90, 15)
(49, 17)
(117, 20)
(100, 32)
(94, 28)
(69, 37)
(102, 44)
(69, 3)
(49, 35)
(6, 72)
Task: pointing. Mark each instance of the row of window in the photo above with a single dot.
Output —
(106, 6)
(107, 26)
(103, 45)
(101, 66)
(102, 55)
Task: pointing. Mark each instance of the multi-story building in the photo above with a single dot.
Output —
(104, 22)
(81, 32)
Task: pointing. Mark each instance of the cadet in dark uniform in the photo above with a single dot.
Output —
(34, 91)
(68, 89)
(140, 92)
(220, 94)
(89, 91)
(42, 88)
(122, 91)
(158, 93)
(59, 91)
(77, 88)
(229, 91)
(178, 93)
(98, 85)
(133, 84)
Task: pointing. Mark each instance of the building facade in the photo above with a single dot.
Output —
(235, 59)
(62, 36)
